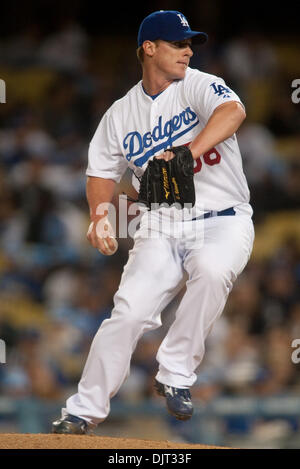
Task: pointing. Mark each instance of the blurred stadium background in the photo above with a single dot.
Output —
(64, 64)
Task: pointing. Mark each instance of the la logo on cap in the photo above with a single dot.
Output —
(183, 20)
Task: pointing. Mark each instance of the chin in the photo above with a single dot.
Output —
(179, 75)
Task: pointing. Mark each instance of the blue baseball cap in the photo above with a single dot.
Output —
(168, 25)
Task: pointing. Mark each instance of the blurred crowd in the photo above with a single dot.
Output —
(55, 290)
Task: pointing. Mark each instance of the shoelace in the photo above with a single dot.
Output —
(183, 393)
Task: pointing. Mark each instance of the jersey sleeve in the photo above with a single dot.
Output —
(105, 158)
(207, 92)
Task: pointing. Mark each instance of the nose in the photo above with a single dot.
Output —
(189, 51)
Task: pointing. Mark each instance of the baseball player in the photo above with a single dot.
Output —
(173, 105)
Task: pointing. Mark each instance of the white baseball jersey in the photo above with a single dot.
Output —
(138, 127)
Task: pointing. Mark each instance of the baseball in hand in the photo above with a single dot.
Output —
(104, 230)
(110, 252)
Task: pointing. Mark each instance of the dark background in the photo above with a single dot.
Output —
(222, 18)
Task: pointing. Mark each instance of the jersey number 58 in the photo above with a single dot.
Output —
(211, 158)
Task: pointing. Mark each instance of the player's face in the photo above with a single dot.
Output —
(172, 58)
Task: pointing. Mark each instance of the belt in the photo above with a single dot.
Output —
(214, 213)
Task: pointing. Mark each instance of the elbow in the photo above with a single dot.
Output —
(241, 113)
(244, 115)
(238, 115)
(234, 114)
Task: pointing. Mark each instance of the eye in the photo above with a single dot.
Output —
(181, 44)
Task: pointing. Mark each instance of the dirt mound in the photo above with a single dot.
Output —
(51, 441)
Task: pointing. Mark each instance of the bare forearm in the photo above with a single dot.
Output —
(98, 191)
(223, 123)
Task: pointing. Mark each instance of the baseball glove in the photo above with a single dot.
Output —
(169, 182)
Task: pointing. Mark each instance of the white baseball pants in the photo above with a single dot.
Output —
(151, 278)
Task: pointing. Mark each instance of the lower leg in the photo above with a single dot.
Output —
(183, 348)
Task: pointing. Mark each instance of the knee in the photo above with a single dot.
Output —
(212, 274)
(131, 320)
(135, 317)
(136, 325)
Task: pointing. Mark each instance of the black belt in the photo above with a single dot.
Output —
(214, 213)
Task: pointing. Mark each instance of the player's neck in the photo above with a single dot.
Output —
(155, 84)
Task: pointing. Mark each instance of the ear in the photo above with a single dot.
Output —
(149, 48)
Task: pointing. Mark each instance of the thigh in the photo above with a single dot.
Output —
(225, 247)
(152, 275)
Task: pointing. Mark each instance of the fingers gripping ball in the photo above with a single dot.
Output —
(109, 252)
(105, 232)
